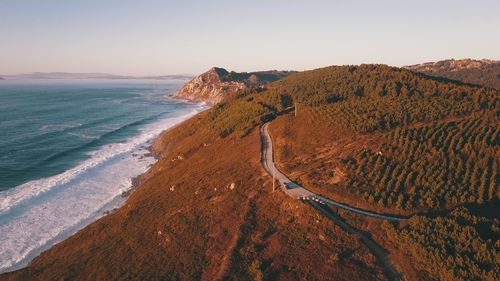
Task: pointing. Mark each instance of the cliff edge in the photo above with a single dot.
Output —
(215, 84)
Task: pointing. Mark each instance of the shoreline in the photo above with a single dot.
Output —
(139, 179)
(109, 207)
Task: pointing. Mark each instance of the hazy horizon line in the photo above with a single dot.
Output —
(227, 68)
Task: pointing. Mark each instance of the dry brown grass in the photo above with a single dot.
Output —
(203, 230)
(309, 150)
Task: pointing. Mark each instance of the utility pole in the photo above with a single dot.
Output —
(295, 105)
(274, 180)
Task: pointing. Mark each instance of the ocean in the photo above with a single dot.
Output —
(68, 152)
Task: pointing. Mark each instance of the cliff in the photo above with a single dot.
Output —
(483, 72)
(215, 84)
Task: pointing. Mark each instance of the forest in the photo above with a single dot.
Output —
(438, 151)
(363, 98)
(459, 246)
(439, 137)
(434, 166)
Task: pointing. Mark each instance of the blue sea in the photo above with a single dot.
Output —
(69, 150)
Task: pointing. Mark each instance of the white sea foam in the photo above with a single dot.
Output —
(83, 136)
(36, 215)
(58, 127)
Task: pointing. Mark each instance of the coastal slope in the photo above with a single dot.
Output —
(206, 211)
(375, 137)
(392, 141)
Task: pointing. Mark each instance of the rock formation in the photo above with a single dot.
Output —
(215, 84)
(483, 72)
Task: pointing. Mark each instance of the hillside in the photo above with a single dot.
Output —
(217, 83)
(200, 214)
(374, 137)
(388, 140)
(390, 111)
(480, 72)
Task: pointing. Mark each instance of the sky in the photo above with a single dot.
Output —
(153, 37)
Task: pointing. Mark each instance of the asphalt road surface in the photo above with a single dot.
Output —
(299, 192)
(318, 202)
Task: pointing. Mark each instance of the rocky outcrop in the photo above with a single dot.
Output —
(209, 87)
(215, 84)
(483, 72)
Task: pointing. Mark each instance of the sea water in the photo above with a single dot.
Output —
(69, 150)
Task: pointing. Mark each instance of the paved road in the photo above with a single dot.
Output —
(299, 192)
(318, 202)
(375, 248)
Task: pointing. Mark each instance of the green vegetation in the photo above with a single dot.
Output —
(250, 114)
(368, 115)
(363, 98)
(439, 165)
(458, 246)
(439, 138)
(246, 110)
(417, 143)
(412, 143)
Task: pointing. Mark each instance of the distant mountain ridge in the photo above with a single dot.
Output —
(215, 84)
(483, 72)
(91, 75)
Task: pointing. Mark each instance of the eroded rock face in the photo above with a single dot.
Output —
(209, 87)
(215, 84)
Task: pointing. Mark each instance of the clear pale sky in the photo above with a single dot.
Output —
(185, 36)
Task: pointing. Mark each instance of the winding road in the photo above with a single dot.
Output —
(319, 203)
(294, 190)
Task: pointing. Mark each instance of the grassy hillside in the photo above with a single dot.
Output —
(364, 98)
(253, 78)
(462, 245)
(389, 140)
(436, 140)
(205, 211)
(375, 137)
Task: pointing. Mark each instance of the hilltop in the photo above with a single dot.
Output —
(217, 83)
(481, 72)
(366, 106)
(393, 141)
(375, 137)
